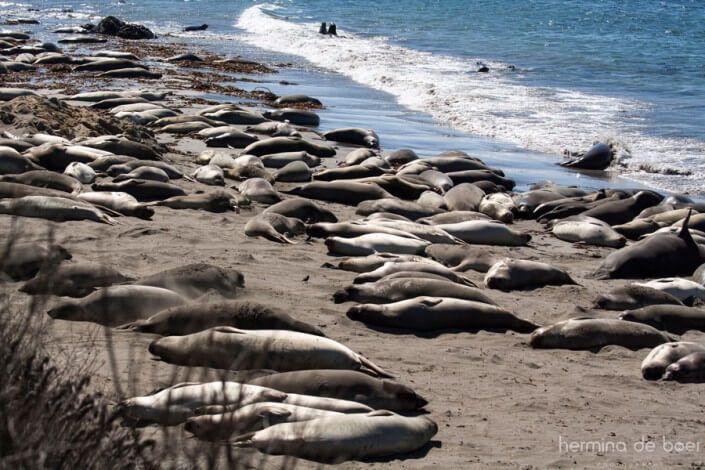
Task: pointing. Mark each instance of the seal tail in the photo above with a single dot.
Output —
(374, 369)
(243, 440)
(132, 326)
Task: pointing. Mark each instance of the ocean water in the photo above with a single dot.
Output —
(563, 74)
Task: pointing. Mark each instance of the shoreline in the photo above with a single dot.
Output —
(497, 402)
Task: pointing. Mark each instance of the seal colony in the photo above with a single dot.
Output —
(453, 286)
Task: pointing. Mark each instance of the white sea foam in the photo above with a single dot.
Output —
(494, 104)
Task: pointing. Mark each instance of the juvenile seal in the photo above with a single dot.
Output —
(116, 305)
(123, 146)
(339, 438)
(46, 179)
(682, 289)
(510, 274)
(22, 261)
(408, 209)
(73, 280)
(119, 202)
(388, 290)
(81, 172)
(193, 280)
(209, 174)
(595, 333)
(391, 267)
(287, 144)
(142, 190)
(342, 192)
(195, 317)
(12, 162)
(231, 138)
(250, 418)
(674, 318)
(425, 232)
(274, 227)
(351, 230)
(282, 350)
(298, 99)
(298, 117)
(176, 404)
(453, 217)
(463, 257)
(147, 173)
(59, 209)
(354, 135)
(591, 232)
(634, 296)
(439, 313)
(688, 368)
(375, 243)
(274, 129)
(294, 172)
(363, 264)
(486, 232)
(655, 363)
(280, 160)
(622, 211)
(303, 209)
(348, 173)
(259, 189)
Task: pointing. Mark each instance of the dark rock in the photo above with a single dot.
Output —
(135, 31)
(109, 25)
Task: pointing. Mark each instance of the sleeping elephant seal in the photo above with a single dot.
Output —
(142, 190)
(250, 418)
(303, 209)
(464, 197)
(664, 254)
(345, 385)
(410, 210)
(370, 243)
(73, 280)
(282, 350)
(287, 144)
(297, 117)
(213, 201)
(193, 280)
(598, 157)
(259, 190)
(622, 211)
(274, 227)
(389, 290)
(59, 209)
(464, 257)
(688, 368)
(595, 333)
(339, 438)
(439, 313)
(116, 305)
(294, 172)
(657, 361)
(674, 318)
(354, 135)
(634, 296)
(123, 203)
(511, 274)
(342, 192)
(195, 317)
(46, 179)
(425, 266)
(176, 404)
(22, 261)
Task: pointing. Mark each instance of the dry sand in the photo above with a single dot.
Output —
(498, 403)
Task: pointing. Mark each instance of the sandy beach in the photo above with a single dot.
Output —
(498, 403)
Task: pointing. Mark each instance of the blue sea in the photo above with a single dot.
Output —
(562, 74)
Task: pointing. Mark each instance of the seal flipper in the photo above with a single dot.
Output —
(684, 234)
(374, 369)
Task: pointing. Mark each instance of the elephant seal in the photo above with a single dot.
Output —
(591, 232)
(22, 261)
(463, 257)
(303, 209)
(259, 189)
(486, 232)
(453, 217)
(118, 202)
(375, 243)
(294, 172)
(699, 275)
(115, 102)
(354, 135)
(622, 211)
(298, 117)
(688, 368)
(12, 162)
(598, 157)
(195, 317)
(59, 209)
(480, 178)
(81, 172)
(142, 190)
(274, 129)
(657, 361)
(298, 99)
(511, 274)
(274, 227)
(176, 404)
(464, 197)
(46, 179)
(351, 230)
(348, 173)
(663, 254)
(231, 138)
(123, 146)
(440, 181)
(439, 313)
(408, 209)
(432, 199)
(594, 334)
(106, 64)
(131, 72)
(194, 280)
(287, 144)
(73, 280)
(401, 157)
(116, 305)
(233, 116)
(209, 174)
(280, 160)
(308, 401)
(282, 350)
(403, 187)
(682, 289)
(674, 318)
(213, 201)
(363, 264)
(345, 385)
(391, 267)
(425, 232)
(339, 438)
(147, 173)
(633, 296)
(202, 27)
(498, 206)
(184, 128)
(342, 192)
(388, 290)
(357, 156)
(250, 418)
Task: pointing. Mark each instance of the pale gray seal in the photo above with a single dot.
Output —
(674, 318)
(274, 227)
(303, 209)
(370, 243)
(147, 173)
(280, 160)
(408, 209)
(486, 232)
(657, 361)
(193, 280)
(464, 197)
(73, 280)
(22, 261)
(595, 333)
(195, 317)
(688, 368)
(46, 179)
(633, 296)
(282, 350)
(259, 190)
(511, 274)
(294, 172)
(391, 267)
(354, 135)
(53, 208)
(12, 162)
